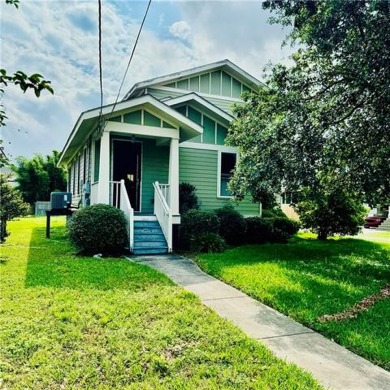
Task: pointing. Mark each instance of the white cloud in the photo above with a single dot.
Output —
(59, 40)
(180, 30)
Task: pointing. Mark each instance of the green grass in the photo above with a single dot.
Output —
(71, 322)
(307, 278)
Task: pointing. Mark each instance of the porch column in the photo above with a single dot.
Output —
(104, 169)
(174, 175)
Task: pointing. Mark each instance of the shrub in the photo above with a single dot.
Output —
(258, 230)
(232, 225)
(196, 222)
(188, 199)
(208, 243)
(273, 213)
(98, 229)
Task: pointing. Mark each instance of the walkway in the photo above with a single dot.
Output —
(332, 365)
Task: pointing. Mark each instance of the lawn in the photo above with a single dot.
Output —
(307, 279)
(83, 322)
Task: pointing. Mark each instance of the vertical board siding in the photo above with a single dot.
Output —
(200, 168)
(155, 167)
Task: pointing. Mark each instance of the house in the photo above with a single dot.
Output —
(165, 131)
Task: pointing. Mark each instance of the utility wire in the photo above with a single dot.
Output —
(131, 57)
(100, 59)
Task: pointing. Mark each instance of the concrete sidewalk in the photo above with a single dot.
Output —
(332, 365)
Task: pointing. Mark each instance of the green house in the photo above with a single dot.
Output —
(167, 130)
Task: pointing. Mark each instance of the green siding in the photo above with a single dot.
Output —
(194, 115)
(199, 167)
(221, 134)
(116, 118)
(182, 84)
(134, 117)
(194, 84)
(236, 88)
(215, 88)
(205, 83)
(155, 167)
(226, 85)
(208, 130)
(151, 120)
(160, 94)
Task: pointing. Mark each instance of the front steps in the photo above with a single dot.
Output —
(148, 236)
(385, 225)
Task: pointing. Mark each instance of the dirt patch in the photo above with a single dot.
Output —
(363, 305)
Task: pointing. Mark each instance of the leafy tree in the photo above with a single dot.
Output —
(331, 213)
(324, 122)
(36, 82)
(39, 176)
(11, 205)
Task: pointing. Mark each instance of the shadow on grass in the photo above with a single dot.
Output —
(53, 263)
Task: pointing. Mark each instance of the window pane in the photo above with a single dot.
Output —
(228, 162)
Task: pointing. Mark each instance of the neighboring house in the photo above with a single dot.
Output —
(165, 131)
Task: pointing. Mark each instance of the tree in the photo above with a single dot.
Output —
(330, 213)
(11, 206)
(36, 82)
(39, 176)
(324, 122)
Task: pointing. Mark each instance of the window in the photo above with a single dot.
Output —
(227, 164)
(96, 161)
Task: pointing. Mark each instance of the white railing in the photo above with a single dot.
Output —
(163, 213)
(115, 193)
(125, 206)
(165, 189)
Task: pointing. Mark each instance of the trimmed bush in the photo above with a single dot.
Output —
(232, 225)
(188, 199)
(98, 229)
(258, 230)
(273, 213)
(208, 243)
(196, 222)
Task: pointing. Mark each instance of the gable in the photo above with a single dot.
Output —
(218, 83)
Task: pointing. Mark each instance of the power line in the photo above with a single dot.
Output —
(100, 58)
(131, 57)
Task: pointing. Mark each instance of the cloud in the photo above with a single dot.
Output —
(59, 40)
(180, 30)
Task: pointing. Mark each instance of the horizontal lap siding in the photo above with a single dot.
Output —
(155, 166)
(199, 167)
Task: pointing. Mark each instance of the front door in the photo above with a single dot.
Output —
(127, 166)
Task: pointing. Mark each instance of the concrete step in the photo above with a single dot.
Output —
(150, 251)
(149, 236)
(150, 244)
(147, 230)
(146, 224)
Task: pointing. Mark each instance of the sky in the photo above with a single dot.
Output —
(59, 39)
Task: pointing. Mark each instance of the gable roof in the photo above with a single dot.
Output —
(88, 121)
(201, 102)
(225, 65)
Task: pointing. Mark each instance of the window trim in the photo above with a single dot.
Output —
(219, 196)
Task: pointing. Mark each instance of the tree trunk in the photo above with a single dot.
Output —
(322, 234)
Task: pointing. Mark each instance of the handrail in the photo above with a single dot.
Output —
(125, 206)
(163, 214)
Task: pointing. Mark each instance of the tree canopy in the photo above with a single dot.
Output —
(39, 176)
(323, 122)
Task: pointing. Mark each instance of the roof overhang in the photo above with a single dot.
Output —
(88, 121)
(225, 65)
(198, 101)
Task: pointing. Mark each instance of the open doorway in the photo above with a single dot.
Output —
(127, 166)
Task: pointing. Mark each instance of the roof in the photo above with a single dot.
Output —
(225, 65)
(88, 121)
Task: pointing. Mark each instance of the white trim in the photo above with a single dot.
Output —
(198, 145)
(219, 196)
(203, 102)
